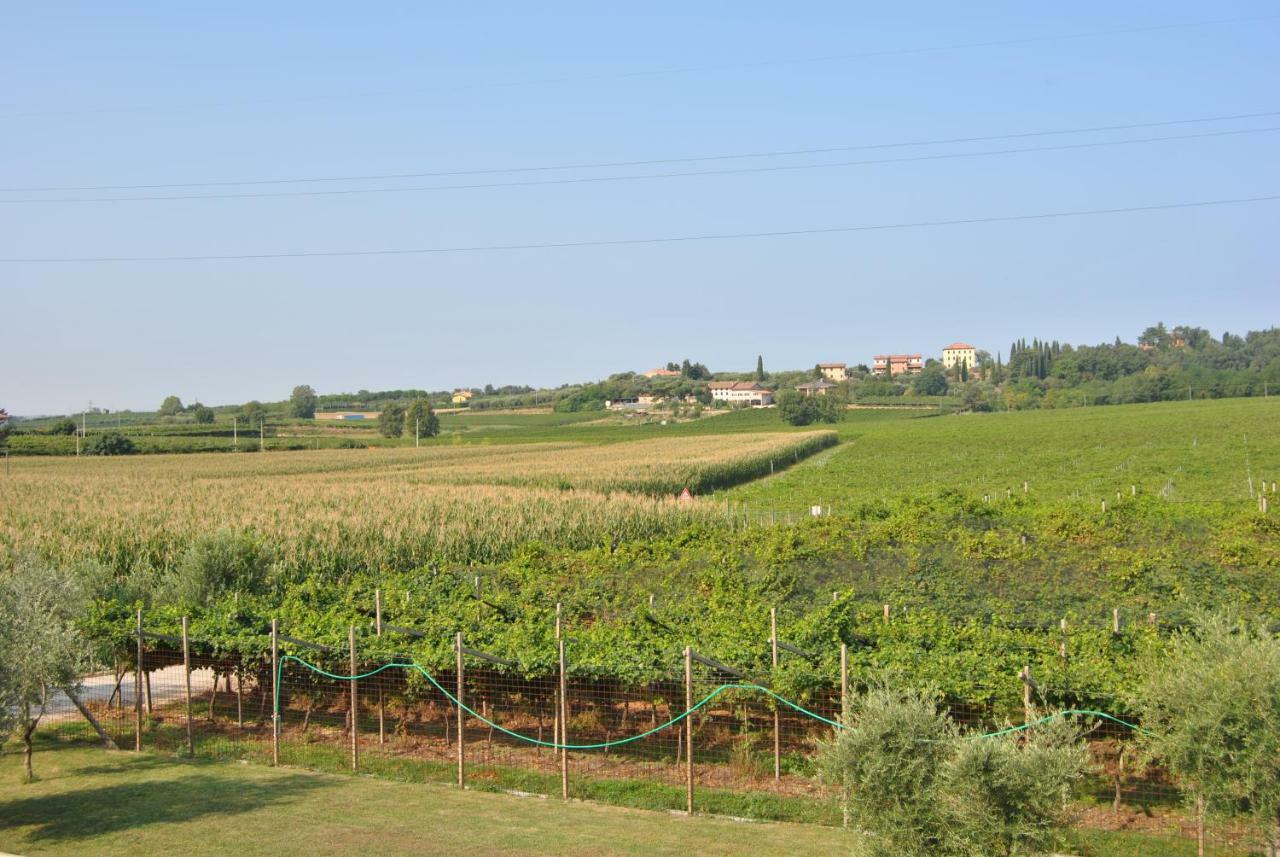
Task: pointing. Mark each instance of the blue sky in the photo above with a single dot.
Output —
(151, 93)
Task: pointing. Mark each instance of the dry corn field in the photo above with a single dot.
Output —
(344, 510)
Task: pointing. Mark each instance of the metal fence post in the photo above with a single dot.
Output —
(137, 692)
(275, 692)
(844, 718)
(462, 772)
(186, 670)
(688, 727)
(382, 709)
(355, 705)
(777, 714)
(564, 726)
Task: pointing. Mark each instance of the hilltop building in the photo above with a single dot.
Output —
(818, 387)
(461, 397)
(661, 372)
(741, 393)
(897, 364)
(836, 372)
(958, 353)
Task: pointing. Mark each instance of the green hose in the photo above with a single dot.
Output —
(672, 722)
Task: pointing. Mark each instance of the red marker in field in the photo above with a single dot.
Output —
(685, 495)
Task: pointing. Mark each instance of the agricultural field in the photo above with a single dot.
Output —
(1203, 451)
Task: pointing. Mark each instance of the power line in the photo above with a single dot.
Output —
(640, 176)
(696, 69)
(621, 242)
(646, 162)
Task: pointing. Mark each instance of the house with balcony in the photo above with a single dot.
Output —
(741, 393)
(894, 365)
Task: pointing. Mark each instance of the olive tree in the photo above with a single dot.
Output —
(915, 785)
(41, 649)
(1211, 708)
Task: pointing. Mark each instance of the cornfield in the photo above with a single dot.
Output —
(370, 509)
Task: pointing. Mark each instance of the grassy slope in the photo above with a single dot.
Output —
(1201, 450)
(89, 801)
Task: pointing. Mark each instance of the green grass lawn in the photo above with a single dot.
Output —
(91, 801)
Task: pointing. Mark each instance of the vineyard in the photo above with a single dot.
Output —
(959, 578)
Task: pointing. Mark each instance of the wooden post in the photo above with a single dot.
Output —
(1062, 648)
(886, 612)
(382, 710)
(137, 695)
(240, 694)
(1151, 619)
(462, 774)
(275, 693)
(564, 725)
(355, 704)
(1115, 620)
(777, 715)
(186, 670)
(1027, 710)
(688, 727)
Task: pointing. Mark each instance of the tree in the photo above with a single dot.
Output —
(760, 376)
(41, 649)
(829, 408)
(215, 567)
(109, 443)
(817, 371)
(302, 402)
(796, 409)
(391, 421)
(66, 425)
(1210, 710)
(253, 412)
(421, 417)
(202, 415)
(932, 381)
(171, 406)
(917, 786)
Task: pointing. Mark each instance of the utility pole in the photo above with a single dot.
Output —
(262, 435)
(415, 432)
(235, 434)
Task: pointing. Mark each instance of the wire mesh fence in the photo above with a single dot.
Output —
(702, 736)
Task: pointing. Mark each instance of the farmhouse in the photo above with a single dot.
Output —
(836, 372)
(345, 416)
(642, 402)
(818, 387)
(959, 354)
(661, 372)
(461, 397)
(897, 364)
(741, 393)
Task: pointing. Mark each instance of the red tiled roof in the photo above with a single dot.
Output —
(955, 346)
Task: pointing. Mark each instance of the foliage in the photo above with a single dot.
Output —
(420, 419)
(202, 415)
(223, 565)
(1212, 705)
(170, 407)
(41, 649)
(109, 443)
(391, 421)
(796, 408)
(302, 402)
(932, 381)
(916, 786)
(253, 412)
(65, 426)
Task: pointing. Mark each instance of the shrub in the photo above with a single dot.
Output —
(62, 426)
(109, 443)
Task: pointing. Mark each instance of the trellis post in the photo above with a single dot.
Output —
(777, 714)
(355, 703)
(844, 718)
(137, 691)
(462, 773)
(562, 719)
(186, 671)
(382, 711)
(275, 692)
(688, 727)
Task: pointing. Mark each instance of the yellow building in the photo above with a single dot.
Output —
(461, 397)
(957, 353)
(835, 372)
